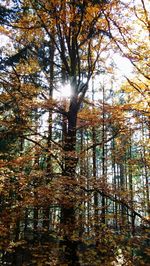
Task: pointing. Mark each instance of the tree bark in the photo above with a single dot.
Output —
(68, 217)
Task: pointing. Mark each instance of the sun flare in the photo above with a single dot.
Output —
(65, 91)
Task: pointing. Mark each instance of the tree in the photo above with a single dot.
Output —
(59, 180)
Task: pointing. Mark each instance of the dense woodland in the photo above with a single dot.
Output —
(74, 168)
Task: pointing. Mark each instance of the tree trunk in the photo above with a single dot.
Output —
(68, 217)
(49, 170)
(103, 159)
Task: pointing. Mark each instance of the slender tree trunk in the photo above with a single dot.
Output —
(122, 185)
(96, 218)
(146, 170)
(131, 190)
(46, 211)
(17, 229)
(82, 173)
(114, 182)
(103, 159)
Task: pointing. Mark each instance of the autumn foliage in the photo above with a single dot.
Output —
(74, 169)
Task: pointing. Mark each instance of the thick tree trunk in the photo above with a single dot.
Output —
(68, 217)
